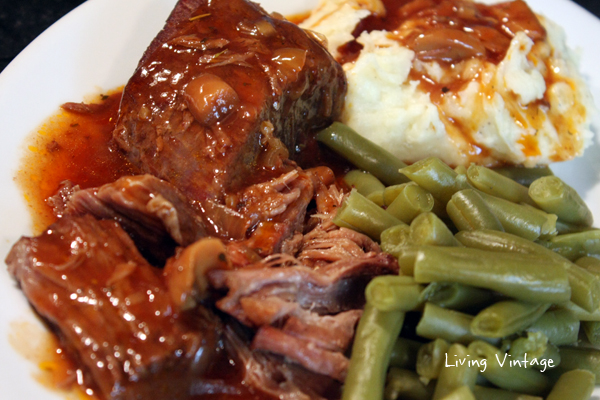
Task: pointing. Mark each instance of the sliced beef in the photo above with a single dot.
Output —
(219, 90)
(300, 350)
(112, 310)
(152, 211)
(279, 378)
(328, 290)
(316, 342)
(331, 332)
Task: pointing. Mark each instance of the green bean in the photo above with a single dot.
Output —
(505, 242)
(563, 228)
(412, 201)
(430, 358)
(428, 229)
(455, 296)
(496, 184)
(492, 240)
(536, 350)
(520, 219)
(535, 347)
(506, 373)
(550, 359)
(560, 327)
(506, 317)
(407, 257)
(434, 175)
(394, 293)
(456, 372)
(554, 196)
(404, 353)
(453, 326)
(521, 276)
(579, 313)
(461, 393)
(461, 169)
(580, 358)
(575, 245)
(364, 182)
(585, 286)
(394, 239)
(363, 153)
(469, 212)
(573, 385)
(592, 331)
(406, 385)
(376, 197)
(591, 264)
(375, 336)
(488, 393)
(391, 192)
(360, 214)
(524, 176)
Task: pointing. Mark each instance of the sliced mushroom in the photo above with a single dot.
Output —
(185, 273)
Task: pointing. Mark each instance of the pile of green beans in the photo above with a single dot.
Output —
(498, 265)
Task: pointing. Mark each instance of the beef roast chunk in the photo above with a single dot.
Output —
(223, 94)
(111, 309)
(155, 214)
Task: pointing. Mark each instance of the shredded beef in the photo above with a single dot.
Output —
(305, 307)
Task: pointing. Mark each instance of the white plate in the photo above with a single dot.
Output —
(95, 48)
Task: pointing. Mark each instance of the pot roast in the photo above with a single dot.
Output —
(217, 272)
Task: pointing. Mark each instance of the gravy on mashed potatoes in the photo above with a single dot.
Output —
(464, 81)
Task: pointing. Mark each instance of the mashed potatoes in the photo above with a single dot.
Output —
(528, 105)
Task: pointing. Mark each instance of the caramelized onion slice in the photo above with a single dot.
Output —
(447, 45)
(289, 63)
(493, 40)
(516, 16)
(209, 98)
(319, 37)
(414, 7)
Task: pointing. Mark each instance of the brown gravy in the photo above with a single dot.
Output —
(449, 31)
(75, 144)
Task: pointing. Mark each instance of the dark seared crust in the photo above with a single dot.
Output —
(159, 134)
